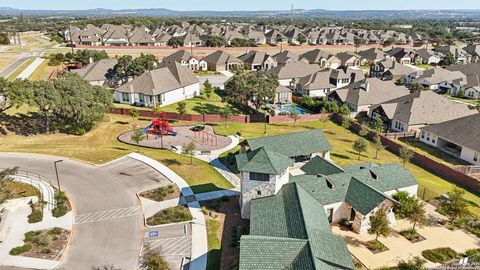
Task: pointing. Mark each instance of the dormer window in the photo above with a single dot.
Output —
(329, 183)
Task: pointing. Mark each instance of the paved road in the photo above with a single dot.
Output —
(110, 239)
(13, 66)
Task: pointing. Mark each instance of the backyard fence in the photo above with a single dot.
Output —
(457, 177)
(469, 170)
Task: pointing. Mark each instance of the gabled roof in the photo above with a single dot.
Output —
(315, 56)
(293, 144)
(97, 71)
(318, 80)
(370, 91)
(319, 165)
(363, 197)
(178, 56)
(424, 108)
(285, 57)
(373, 54)
(263, 161)
(254, 57)
(166, 78)
(220, 57)
(463, 131)
(294, 70)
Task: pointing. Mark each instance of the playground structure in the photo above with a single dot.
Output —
(160, 127)
(204, 136)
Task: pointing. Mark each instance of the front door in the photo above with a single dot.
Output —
(352, 215)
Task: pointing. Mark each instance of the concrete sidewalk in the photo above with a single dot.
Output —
(28, 71)
(199, 230)
(48, 193)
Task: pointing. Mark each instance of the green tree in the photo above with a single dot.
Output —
(346, 124)
(225, 113)
(81, 105)
(137, 137)
(216, 41)
(414, 87)
(377, 126)
(301, 39)
(294, 115)
(153, 260)
(46, 98)
(360, 146)
(263, 86)
(417, 214)
(407, 203)
(324, 118)
(189, 150)
(344, 110)
(14, 94)
(207, 89)
(364, 130)
(4, 40)
(447, 60)
(134, 113)
(377, 145)
(460, 93)
(181, 109)
(6, 175)
(379, 224)
(455, 206)
(242, 42)
(406, 154)
(416, 263)
(175, 42)
(237, 90)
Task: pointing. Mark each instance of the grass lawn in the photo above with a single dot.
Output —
(431, 152)
(170, 215)
(343, 155)
(424, 66)
(43, 71)
(465, 100)
(101, 145)
(19, 70)
(6, 60)
(214, 244)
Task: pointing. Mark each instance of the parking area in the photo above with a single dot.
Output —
(174, 243)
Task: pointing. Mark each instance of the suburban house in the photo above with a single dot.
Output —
(285, 57)
(221, 60)
(290, 216)
(168, 84)
(459, 137)
(290, 72)
(372, 55)
(274, 37)
(362, 95)
(321, 58)
(186, 59)
(256, 36)
(474, 51)
(471, 89)
(141, 37)
(349, 59)
(191, 40)
(115, 36)
(438, 79)
(319, 84)
(418, 109)
(98, 73)
(389, 69)
(403, 55)
(256, 60)
(460, 55)
(428, 57)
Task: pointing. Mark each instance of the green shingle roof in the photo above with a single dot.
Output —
(285, 221)
(262, 160)
(362, 197)
(319, 165)
(293, 144)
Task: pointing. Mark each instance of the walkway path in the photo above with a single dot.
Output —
(199, 230)
(28, 71)
(15, 64)
(48, 193)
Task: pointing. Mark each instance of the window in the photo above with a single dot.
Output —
(125, 97)
(476, 156)
(423, 134)
(141, 98)
(259, 176)
(259, 192)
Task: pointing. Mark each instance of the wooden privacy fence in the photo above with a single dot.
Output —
(457, 177)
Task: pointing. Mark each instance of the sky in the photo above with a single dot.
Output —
(192, 5)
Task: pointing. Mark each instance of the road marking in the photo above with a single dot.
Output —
(170, 246)
(108, 215)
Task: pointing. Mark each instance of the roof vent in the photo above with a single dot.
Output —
(366, 87)
(374, 175)
(330, 183)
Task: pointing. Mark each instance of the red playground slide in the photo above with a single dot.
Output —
(160, 126)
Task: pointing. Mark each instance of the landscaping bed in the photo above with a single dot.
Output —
(224, 229)
(170, 215)
(20, 190)
(37, 212)
(412, 236)
(63, 205)
(440, 255)
(44, 244)
(375, 246)
(162, 193)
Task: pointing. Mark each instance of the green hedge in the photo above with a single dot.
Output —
(20, 250)
(439, 255)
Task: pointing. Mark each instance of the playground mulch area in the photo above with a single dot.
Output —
(204, 141)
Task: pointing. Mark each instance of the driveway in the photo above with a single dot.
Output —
(110, 225)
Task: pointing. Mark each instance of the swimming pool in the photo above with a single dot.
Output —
(288, 108)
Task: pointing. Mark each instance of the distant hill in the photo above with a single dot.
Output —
(303, 13)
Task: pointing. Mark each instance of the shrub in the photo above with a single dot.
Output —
(29, 236)
(37, 213)
(376, 246)
(42, 239)
(59, 211)
(55, 231)
(171, 215)
(471, 252)
(19, 250)
(439, 255)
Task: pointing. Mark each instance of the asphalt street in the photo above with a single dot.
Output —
(110, 229)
